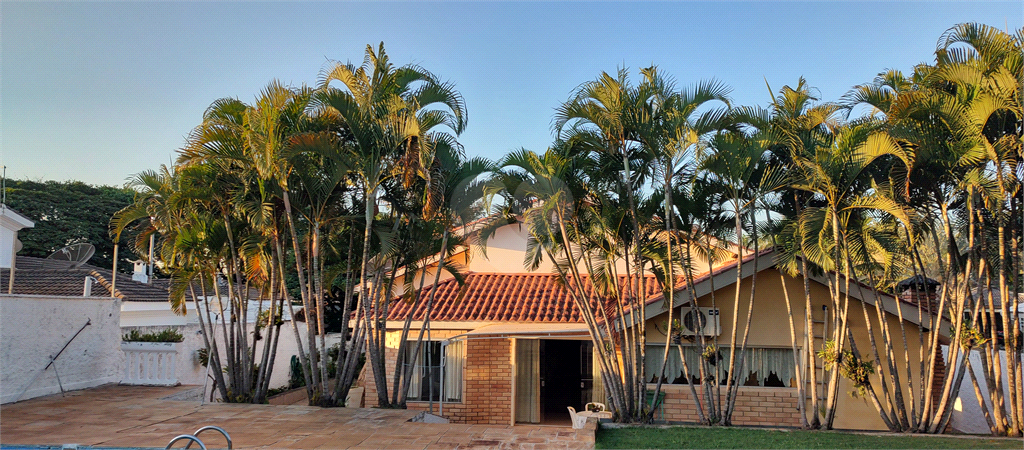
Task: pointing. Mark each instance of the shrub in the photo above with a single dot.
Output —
(168, 335)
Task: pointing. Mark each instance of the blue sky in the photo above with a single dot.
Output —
(100, 91)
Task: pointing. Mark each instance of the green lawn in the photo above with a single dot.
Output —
(692, 437)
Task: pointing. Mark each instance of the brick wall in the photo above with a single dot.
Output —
(487, 381)
(390, 357)
(488, 395)
(755, 406)
(487, 391)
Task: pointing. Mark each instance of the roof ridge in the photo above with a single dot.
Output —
(103, 282)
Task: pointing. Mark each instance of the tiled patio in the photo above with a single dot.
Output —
(135, 416)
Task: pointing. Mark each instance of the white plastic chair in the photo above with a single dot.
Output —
(578, 421)
(600, 407)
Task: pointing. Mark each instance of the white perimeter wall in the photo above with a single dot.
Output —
(191, 372)
(34, 327)
(967, 416)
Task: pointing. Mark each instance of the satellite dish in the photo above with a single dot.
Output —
(75, 254)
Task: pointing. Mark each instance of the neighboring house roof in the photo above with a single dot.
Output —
(14, 220)
(919, 281)
(38, 276)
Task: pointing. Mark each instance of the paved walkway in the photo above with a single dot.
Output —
(135, 416)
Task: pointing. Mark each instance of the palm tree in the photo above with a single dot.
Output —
(675, 132)
(606, 116)
(570, 224)
(395, 117)
(796, 124)
(737, 164)
(835, 176)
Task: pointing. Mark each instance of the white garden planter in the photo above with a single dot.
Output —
(150, 363)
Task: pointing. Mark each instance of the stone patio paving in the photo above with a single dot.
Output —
(136, 416)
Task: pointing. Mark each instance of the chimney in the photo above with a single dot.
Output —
(920, 290)
(140, 272)
(87, 288)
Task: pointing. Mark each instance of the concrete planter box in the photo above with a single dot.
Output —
(150, 363)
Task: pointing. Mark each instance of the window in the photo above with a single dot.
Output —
(763, 366)
(425, 382)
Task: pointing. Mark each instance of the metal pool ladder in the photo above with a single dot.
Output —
(194, 437)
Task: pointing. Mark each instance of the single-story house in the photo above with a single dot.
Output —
(510, 347)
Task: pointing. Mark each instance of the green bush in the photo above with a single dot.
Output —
(168, 335)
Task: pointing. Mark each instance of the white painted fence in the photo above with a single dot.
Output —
(150, 363)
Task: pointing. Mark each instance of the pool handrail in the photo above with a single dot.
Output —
(211, 427)
(191, 439)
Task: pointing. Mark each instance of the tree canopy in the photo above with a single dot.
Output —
(69, 212)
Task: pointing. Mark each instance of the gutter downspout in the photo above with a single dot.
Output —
(444, 360)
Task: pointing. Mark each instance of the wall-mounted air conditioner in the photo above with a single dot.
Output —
(701, 321)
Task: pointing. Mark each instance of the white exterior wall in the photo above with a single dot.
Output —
(505, 251)
(7, 239)
(34, 327)
(10, 223)
(967, 416)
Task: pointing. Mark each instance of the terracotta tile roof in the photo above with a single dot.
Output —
(502, 297)
(522, 297)
(38, 276)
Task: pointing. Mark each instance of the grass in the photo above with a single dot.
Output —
(695, 437)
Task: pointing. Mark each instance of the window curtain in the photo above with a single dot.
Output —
(598, 394)
(454, 361)
(527, 380)
(415, 380)
(760, 362)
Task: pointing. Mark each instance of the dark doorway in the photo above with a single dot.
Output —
(562, 372)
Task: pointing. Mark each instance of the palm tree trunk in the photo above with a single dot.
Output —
(888, 415)
(1011, 367)
(670, 291)
(733, 380)
(750, 304)
(242, 370)
(869, 388)
(937, 421)
(343, 381)
(704, 379)
(277, 322)
(313, 381)
(209, 337)
(801, 395)
(945, 291)
(318, 299)
(402, 374)
(810, 353)
(621, 401)
(839, 336)
(897, 381)
(372, 344)
(263, 375)
(981, 399)
(303, 361)
(636, 375)
(717, 391)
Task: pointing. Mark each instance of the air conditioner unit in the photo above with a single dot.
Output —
(702, 321)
